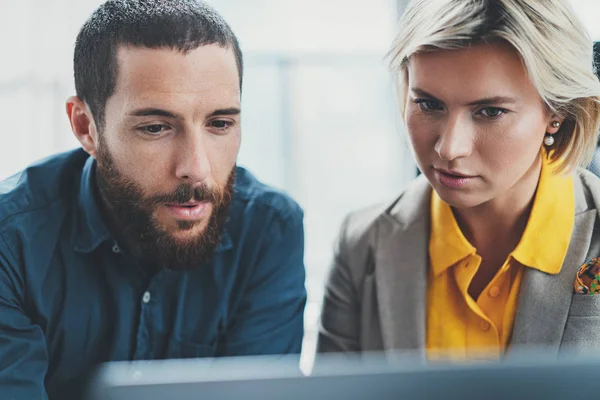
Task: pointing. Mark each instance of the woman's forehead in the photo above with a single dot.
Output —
(480, 71)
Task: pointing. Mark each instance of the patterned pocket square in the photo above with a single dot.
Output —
(587, 280)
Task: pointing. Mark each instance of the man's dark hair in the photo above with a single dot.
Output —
(182, 25)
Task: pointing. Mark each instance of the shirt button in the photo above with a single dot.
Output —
(116, 248)
(485, 326)
(146, 298)
(494, 291)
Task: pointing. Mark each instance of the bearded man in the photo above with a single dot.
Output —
(148, 242)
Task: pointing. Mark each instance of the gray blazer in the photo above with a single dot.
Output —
(375, 297)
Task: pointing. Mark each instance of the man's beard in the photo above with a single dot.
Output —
(145, 238)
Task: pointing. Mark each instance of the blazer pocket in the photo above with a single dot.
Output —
(582, 330)
(583, 305)
(370, 332)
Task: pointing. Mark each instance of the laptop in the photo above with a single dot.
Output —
(530, 376)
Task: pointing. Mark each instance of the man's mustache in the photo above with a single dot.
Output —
(186, 193)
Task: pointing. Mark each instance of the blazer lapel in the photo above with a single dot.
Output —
(545, 300)
(401, 260)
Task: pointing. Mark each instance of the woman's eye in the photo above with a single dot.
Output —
(492, 112)
(429, 105)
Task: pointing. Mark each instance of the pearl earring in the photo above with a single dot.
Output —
(549, 139)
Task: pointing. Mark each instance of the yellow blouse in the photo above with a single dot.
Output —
(462, 328)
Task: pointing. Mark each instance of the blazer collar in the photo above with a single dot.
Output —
(401, 268)
(545, 300)
(401, 278)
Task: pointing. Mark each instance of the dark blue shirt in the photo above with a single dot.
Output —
(70, 298)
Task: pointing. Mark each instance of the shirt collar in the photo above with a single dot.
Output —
(544, 243)
(91, 230)
(545, 240)
(447, 244)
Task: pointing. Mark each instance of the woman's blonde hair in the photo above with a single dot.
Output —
(555, 48)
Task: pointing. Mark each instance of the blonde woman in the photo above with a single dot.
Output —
(493, 246)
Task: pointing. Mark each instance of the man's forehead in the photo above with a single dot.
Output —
(209, 69)
(164, 62)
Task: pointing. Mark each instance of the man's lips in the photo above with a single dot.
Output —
(189, 211)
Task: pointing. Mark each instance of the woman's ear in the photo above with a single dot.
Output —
(554, 125)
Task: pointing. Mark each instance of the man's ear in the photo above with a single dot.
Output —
(82, 124)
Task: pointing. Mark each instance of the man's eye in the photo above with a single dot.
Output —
(221, 124)
(154, 130)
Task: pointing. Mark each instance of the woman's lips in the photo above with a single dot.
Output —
(453, 180)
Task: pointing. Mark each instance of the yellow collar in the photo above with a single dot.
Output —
(545, 240)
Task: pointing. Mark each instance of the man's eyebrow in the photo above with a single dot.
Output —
(152, 112)
(158, 112)
(225, 111)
